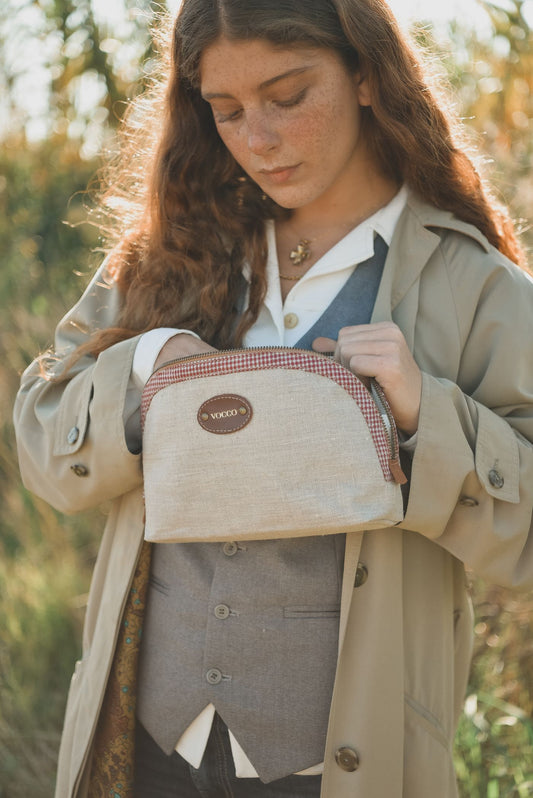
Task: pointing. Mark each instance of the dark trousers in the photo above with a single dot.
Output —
(160, 776)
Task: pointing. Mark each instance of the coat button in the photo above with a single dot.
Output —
(361, 575)
(347, 759)
(80, 470)
(73, 435)
(213, 676)
(230, 548)
(221, 612)
(291, 320)
(496, 479)
(468, 501)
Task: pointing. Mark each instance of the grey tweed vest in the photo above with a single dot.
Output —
(252, 627)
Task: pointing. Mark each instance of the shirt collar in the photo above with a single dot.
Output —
(356, 247)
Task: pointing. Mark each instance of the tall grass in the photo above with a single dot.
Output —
(494, 742)
(45, 558)
(41, 625)
(45, 564)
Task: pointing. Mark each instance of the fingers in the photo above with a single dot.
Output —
(360, 348)
(380, 351)
(324, 345)
(370, 347)
(372, 351)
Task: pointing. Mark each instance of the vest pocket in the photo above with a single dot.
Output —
(312, 611)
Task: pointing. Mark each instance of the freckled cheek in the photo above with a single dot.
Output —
(310, 139)
(306, 134)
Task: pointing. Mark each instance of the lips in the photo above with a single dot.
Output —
(280, 174)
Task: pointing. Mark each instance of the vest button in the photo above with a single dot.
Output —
(361, 575)
(347, 759)
(291, 320)
(496, 479)
(80, 470)
(230, 548)
(213, 676)
(221, 612)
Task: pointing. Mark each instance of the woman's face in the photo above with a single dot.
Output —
(290, 118)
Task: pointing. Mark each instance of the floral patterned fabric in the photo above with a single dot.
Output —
(114, 746)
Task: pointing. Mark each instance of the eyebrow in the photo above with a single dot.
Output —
(264, 85)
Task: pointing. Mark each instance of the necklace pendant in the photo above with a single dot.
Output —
(300, 253)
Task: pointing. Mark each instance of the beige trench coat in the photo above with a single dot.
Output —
(467, 315)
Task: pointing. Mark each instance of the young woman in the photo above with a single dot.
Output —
(301, 185)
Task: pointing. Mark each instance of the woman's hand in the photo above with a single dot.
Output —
(380, 351)
(181, 345)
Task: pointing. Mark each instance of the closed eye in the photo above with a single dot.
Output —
(292, 101)
(231, 117)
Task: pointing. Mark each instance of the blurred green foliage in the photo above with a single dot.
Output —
(494, 743)
(492, 79)
(48, 252)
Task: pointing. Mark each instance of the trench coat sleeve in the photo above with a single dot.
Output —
(472, 477)
(71, 439)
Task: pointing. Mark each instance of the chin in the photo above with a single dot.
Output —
(290, 200)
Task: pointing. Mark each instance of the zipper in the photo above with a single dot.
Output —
(389, 423)
(242, 350)
(371, 384)
(386, 416)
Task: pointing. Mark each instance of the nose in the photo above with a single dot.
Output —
(262, 135)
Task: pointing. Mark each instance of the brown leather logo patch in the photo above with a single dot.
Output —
(225, 413)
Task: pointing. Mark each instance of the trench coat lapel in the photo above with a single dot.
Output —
(398, 294)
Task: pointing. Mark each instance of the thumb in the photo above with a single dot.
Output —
(324, 345)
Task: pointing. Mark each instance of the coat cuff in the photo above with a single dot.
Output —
(457, 438)
(99, 451)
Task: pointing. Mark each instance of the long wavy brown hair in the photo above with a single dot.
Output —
(188, 216)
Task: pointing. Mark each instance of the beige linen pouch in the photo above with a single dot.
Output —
(266, 443)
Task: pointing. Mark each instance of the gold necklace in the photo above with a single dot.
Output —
(298, 256)
(301, 252)
(292, 279)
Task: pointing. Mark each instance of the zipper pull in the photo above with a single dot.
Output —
(397, 472)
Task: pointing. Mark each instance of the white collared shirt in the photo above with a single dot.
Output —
(279, 324)
(308, 298)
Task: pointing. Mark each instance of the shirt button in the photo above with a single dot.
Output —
(213, 676)
(496, 479)
(80, 470)
(221, 612)
(230, 548)
(291, 320)
(347, 759)
(361, 575)
(73, 435)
